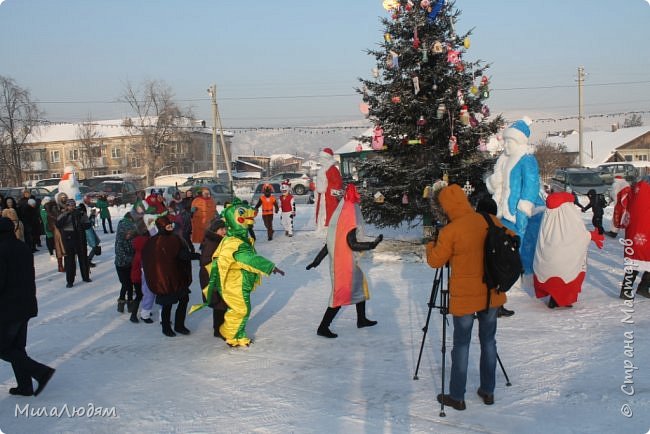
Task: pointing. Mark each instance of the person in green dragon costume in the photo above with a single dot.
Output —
(235, 272)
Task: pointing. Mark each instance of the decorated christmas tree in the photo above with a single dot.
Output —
(428, 104)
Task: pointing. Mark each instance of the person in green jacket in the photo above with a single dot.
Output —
(104, 214)
(49, 236)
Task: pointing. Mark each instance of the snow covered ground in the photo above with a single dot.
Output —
(567, 366)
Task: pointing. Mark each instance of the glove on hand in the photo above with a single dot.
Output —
(597, 238)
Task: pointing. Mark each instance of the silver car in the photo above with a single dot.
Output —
(578, 181)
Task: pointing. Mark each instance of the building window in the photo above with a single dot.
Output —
(55, 156)
(135, 162)
(115, 172)
(98, 173)
(116, 153)
(73, 154)
(55, 175)
(627, 157)
(641, 158)
(34, 176)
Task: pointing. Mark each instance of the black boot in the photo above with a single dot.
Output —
(166, 314)
(323, 328)
(134, 311)
(120, 305)
(217, 320)
(552, 304)
(504, 312)
(179, 319)
(362, 321)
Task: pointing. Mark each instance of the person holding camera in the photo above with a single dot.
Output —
(72, 223)
(461, 244)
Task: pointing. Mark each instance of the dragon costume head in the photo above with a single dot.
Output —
(239, 216)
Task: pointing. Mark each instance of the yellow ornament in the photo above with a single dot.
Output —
(387, 37)
(466, 43)
(473, 90)
(389, 5)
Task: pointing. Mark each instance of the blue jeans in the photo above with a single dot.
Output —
(487, 328)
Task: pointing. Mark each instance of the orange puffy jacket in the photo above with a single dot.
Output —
(462, 242)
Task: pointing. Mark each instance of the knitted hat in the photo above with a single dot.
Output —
(31, 202)
(6, 225)
(519, 130)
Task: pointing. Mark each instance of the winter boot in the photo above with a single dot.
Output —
(129, 306)
(451, 402)
(60, 264)
(134, 311)
(362, 321)
(552, 304)
(179, 319)
(165, 320)
(644, 286)
(120, 305)
(323, 328)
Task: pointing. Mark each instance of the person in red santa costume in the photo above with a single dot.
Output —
(620, 195)
(561, 252)
(636, 245)
(329, 186)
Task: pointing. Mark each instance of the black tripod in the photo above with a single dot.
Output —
(438, 287)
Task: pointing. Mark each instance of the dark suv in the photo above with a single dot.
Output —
(578, 180)
(117, 192)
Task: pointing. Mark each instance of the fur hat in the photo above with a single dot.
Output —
(31, 202)
(519, 130)
(162, 222)
(6, 225)
(46, 199)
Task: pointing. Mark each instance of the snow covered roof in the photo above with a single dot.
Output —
(284, 157)
(103, 129)
(248, 163)
(598, 146)
(352, 145)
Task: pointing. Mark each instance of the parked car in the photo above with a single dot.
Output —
(82, 189)
(117, 192)
(300, 182)
(198, 181)
(257, 192)
(168, 191)
(608, 171)
(17, 192)
(579, 181)
(220, 192)
(49, 183)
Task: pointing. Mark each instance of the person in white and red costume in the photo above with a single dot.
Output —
(637, 242)
(329, 186)
(620, 195)
(561, 253)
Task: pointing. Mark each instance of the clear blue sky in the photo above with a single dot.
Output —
(80, 53)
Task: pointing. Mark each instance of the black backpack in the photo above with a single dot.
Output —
(502, 263)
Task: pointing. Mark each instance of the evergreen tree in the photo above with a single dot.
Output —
(424, 95)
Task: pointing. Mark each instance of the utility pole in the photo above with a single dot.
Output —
(581, 77)
(212, 91)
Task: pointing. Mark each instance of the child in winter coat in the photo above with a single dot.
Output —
(596, 203)
(104, 213)
(268, 203)
(288, 207)
(136, 275)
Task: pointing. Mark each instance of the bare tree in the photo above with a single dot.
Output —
(19, 116)
(90, 148)
(551, 156)
(157, 122)
(633, 121)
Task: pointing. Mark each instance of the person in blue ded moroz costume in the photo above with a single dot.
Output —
(515, 186)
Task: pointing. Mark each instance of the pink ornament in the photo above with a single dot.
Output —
(358, 148)
(378, 138)
(453, 145)
(473, 122)
(485, 111)
(364, 108)
(453, 56)
(395, 100)
(425, 4)
(482, 145)
(405, 199)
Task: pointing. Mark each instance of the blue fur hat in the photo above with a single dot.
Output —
(519, 130)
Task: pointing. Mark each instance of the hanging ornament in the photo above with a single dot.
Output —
(484, 81)
(437, 47)
(485, 111)
(416, 84)
(460, 97)
(460, 67)
(394, 57)
(379, 198)
(390, 5)
(364, 108)
(358, 148)
(452, 23)
(434, 86)
(434, 11)
(467, 188)
(418, 141)
(482, 145)
(440, 112)
(387, 37)
(453, 56)
(425, 53)
(409, 5)
(464, 115)
(375, 72)
(405, 198)
(421, 121)
(424, 4)
(395, 100)
(453, 145)
(378, 138)
(416, 40)
(485, 92)
(466, 42)
(473, 122)
(473, 90)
